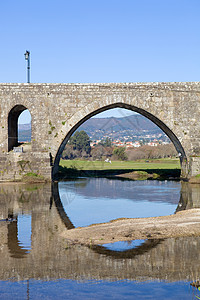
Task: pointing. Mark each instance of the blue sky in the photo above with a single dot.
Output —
(100, 41)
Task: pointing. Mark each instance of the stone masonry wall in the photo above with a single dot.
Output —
(57, 109)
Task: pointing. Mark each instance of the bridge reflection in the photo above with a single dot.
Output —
(61, 211)
(51, 257)
(15, 249)
(145, 247)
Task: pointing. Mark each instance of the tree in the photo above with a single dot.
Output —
(97, 152)
(101, 152)
(81, 142)
(106, 143)
(69, 153)
(148, 152)
(120, 153)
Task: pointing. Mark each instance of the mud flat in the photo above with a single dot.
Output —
(182, 224)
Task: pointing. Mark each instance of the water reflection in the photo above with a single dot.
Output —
(51, 257)
(96, 200)
(61, 211)
(121, 253)
(121, 245)
(24, 231)
(149, 190)
(14, 246)
(189, 196)
(19, 234)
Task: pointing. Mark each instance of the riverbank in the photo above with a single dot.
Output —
(142, 164)
(182, 224)
(158, 168)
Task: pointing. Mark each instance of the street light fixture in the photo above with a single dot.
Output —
(27, 57)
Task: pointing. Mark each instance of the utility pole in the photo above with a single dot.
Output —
(27, 57)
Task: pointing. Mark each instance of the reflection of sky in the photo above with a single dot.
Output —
(24, 231)
(121, 245)
(150, 190)
(76, 290)
(102, 200)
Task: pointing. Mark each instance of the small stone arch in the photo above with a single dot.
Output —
(13, 125)
(151, 117)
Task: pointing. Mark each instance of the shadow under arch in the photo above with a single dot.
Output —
(143, 112)
(13, 125)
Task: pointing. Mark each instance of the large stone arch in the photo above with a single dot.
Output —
(58, 109)
(13, 116)
(145, 113)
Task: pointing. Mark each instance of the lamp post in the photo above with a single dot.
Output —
(27, 57)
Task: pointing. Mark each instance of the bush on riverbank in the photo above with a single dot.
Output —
(33, 178)
(101, 152)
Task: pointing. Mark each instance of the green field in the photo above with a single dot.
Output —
(121, 165)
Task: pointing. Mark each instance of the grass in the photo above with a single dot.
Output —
(122, 165)
(33, 178)
(157, 168)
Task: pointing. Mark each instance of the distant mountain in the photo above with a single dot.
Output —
(24, 126)
(137, 123)
(129, 128)
(24, 132)
(119, 128)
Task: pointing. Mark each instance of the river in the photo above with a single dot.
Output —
(37, 263)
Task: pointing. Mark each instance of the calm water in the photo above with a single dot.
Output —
(36, 263)
(97, 200)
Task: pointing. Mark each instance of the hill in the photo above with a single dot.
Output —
(128, 128)
(24, 132)
(125, 128)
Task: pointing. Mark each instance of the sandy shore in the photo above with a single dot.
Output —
(184, 223)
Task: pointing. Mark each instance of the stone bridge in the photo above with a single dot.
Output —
(57, 110)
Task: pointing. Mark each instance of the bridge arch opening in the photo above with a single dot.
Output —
(154, 119)
(19, 126)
